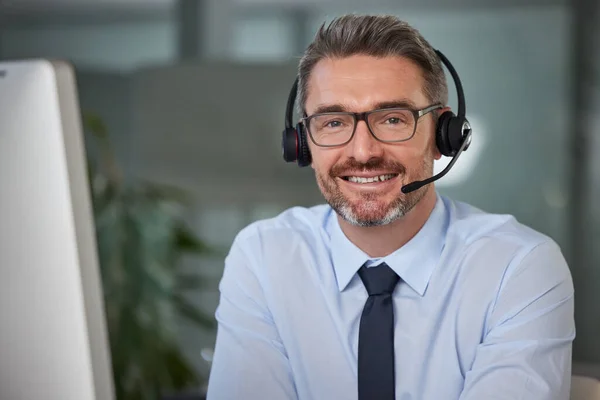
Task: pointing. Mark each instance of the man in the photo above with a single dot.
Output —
(382, 294)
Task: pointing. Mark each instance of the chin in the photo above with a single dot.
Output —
(367, 211)
(370, 213)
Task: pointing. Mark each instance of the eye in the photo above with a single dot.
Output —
(333, 124)
(396, 118)
(392, 118)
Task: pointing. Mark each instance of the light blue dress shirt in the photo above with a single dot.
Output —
(484, 310)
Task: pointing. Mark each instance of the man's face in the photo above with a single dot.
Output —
(363, 83)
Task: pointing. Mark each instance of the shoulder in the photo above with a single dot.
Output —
(500, 242)
(306, 224)
(470, 226)
(498, 265)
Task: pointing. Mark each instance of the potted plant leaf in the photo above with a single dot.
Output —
(142, 236)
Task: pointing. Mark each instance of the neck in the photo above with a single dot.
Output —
(379, 241)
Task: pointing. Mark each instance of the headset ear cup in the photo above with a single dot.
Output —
(304, 156)
(289, 144)
(442, 139)
(456, 132)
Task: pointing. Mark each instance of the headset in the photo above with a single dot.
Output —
(452, 134)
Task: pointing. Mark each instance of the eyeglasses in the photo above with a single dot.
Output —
(389, 125)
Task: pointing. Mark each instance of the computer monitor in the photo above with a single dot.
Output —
(53, 336)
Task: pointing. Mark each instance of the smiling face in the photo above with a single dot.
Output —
(362, 179)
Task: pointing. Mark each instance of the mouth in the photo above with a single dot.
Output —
(362, 180)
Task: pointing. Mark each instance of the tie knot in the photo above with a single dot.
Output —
(378, 280)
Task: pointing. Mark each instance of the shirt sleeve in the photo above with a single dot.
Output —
(250, 361)
(526, 352)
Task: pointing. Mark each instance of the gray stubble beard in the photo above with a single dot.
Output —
(401, 205)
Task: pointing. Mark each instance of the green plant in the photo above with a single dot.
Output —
(142, 237)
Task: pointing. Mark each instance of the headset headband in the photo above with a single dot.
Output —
(462, 109)
(289, 110)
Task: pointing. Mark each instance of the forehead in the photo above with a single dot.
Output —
(360, 81)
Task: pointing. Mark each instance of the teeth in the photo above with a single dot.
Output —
(379, 178)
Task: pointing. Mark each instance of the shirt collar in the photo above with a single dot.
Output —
(414, 262)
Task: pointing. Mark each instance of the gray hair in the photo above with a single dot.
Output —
(377, 36)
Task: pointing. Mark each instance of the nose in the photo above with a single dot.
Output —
(363, 145)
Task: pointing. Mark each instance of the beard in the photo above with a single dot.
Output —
(371, 209)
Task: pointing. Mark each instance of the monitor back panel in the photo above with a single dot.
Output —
(53, 342)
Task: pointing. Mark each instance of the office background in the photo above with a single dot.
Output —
(193, 94)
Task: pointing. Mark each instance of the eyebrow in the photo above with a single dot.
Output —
(339, 107)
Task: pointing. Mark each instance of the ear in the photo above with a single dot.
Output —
(443, 110)
(436, 152)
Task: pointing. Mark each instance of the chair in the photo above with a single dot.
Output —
(584, 388)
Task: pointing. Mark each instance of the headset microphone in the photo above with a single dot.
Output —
(452, 133)
(410, 187)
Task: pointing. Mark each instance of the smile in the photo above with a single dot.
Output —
(372, 179)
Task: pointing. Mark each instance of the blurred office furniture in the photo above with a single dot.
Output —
(585, 388)
(185, 397)
(586, 369)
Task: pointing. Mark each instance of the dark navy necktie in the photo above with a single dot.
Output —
(376, 335)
